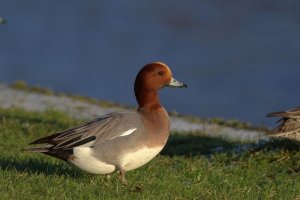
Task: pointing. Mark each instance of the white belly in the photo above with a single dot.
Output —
(138, 158)
(84, 159)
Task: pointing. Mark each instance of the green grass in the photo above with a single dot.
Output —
(192, 166)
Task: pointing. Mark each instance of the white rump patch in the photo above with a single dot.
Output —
(84, 159)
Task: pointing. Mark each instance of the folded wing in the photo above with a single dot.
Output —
(102, 129)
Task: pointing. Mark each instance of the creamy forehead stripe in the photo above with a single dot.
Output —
(163, 64)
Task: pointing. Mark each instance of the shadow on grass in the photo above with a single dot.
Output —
(279, 144)
(38, 166)
(193, 145)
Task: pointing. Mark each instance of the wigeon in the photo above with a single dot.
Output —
(289, 126)
(120, 141)
(2, 20)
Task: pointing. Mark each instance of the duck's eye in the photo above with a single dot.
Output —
(161, 73)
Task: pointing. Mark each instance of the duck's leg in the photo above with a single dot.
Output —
(122, 176)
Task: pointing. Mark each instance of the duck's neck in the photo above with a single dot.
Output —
(147, 100)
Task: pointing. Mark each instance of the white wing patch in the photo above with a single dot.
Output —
(128, 132)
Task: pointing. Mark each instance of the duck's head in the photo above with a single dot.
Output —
(155, 76)
(151, 78)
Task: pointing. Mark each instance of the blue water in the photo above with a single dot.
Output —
(240, 59)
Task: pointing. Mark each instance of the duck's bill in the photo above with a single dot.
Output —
(175, 83)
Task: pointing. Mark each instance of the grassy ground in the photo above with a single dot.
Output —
(192, 166)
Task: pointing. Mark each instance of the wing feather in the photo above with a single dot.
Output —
(289, 124)
(99, 130)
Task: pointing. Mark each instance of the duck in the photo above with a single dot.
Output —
(119, 141)
(2, 20)
(289, 124)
